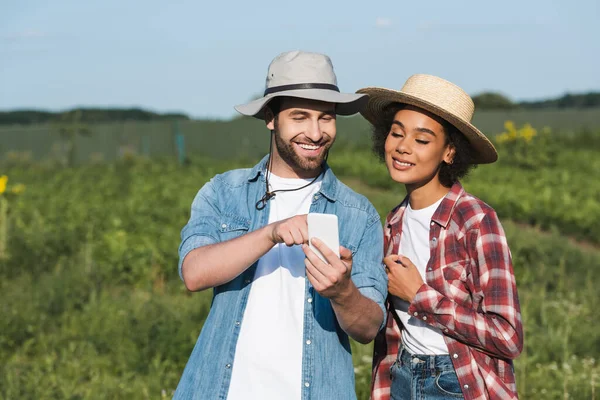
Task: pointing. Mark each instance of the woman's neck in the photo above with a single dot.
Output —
(421, 196)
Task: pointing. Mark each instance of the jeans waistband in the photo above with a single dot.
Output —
(421, 362)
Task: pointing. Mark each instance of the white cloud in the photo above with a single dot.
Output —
(383, 22)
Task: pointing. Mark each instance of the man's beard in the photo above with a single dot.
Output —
(306, 164)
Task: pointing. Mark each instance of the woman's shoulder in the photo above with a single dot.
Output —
(471, 210)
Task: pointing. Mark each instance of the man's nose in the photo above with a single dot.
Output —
(314, 132)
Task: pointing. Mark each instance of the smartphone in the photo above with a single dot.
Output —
(325, 228)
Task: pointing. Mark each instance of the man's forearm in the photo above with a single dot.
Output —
(216, 264)
(359, 316)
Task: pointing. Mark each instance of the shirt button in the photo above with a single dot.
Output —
(316, 197)
(455, 355)
(308, 342)
(446, 330)
(432, 223)
(247, 281)
(306, 384)
(224, 226)
(228, 366)
(434, 240)
(237, 323)
(424, 318)
(429, 269)
(466, 386)
(415, 313)
(309, 300)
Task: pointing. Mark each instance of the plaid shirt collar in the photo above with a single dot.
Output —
(441, 216)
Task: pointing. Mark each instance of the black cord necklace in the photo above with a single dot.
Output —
(262, 203)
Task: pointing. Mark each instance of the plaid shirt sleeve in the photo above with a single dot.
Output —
(387, 342)
(495, 328)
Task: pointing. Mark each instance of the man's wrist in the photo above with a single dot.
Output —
(347, 295)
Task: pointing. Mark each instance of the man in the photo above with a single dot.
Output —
(280, 318)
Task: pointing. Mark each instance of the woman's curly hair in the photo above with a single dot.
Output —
(449, 173)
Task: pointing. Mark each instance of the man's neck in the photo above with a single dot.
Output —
(284, 170)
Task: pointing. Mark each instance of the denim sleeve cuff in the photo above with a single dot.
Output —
(373, 294)
(191, 243)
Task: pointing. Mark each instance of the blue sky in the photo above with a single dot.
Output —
(203, 57)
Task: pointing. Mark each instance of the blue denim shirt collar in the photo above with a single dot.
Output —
(328, 186)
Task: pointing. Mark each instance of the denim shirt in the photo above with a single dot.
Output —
(225, 209)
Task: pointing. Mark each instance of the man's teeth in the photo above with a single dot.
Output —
(308, 146)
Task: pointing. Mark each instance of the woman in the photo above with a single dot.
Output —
(454, 322)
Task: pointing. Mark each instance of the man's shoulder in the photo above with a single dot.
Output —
(348, 197)
(233, 178)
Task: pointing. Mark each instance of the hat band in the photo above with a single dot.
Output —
(283, 88)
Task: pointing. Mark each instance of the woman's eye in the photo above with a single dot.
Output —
(422, 141)
(395, 134)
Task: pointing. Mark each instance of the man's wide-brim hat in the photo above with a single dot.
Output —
(306, 76)
(439, 97)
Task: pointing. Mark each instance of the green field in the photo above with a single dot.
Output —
(110, 141)
(92, 306)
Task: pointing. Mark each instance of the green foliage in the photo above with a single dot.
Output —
(492, 101)
(568, 100)
(92, 306)
(110, 141)
(545, 181)
(26, 117)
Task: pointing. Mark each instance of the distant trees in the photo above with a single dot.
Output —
(497, 101)
(586, 100)
(85, 115)
(493, 101)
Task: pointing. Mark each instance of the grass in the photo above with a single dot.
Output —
(92, 306)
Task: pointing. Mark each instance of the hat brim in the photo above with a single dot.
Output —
(346, 103)
(380, 98)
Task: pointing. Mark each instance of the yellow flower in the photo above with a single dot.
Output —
(18, 188)
(527, 132)
(509, 126)
(3, 182)
(502, 138)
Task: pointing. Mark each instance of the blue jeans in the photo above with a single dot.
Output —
(420, 377)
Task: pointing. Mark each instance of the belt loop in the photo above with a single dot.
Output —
(401, 351)
(433, 364)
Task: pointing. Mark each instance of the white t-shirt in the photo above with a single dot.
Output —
(418, 337)
(268, 356)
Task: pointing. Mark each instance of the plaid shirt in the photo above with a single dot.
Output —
(470, 295)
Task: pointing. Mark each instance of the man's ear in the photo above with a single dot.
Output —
(269, 119)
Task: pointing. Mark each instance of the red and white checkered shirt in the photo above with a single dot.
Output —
(470, 294)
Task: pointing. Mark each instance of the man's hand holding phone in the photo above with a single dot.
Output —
(328, 265)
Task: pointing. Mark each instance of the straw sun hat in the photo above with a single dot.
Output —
(441, 98)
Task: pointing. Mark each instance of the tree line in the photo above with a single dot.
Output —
(86, 115)
(498, 101)
(483, 101)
